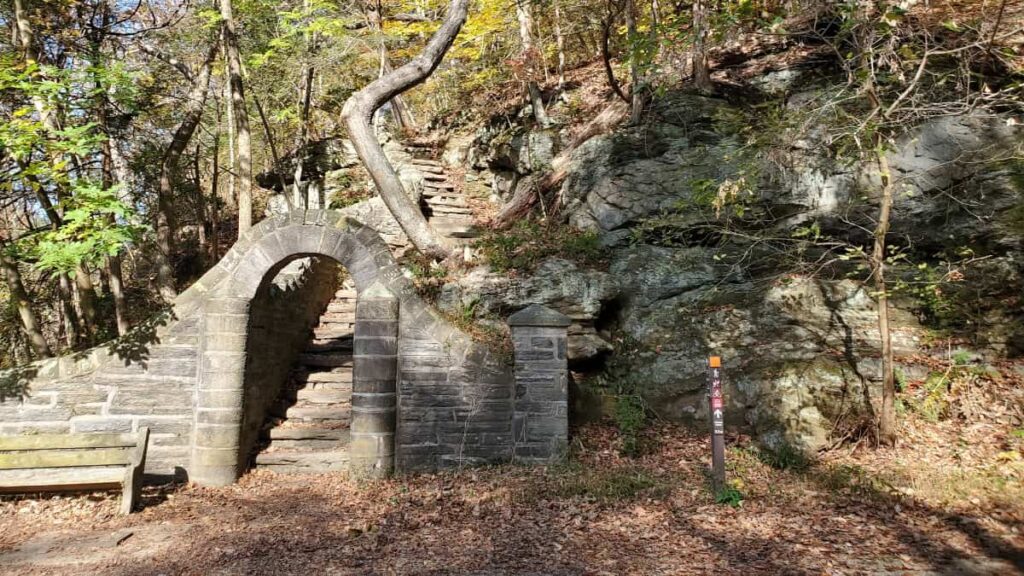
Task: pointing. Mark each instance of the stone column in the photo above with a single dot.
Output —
(216, 460)
(374, 383)
(540, 421)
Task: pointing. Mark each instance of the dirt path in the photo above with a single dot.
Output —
(603, 515)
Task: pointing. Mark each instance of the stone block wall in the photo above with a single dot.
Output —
(540, 425)
(454, 396)
(144, 380)
(149, 378)
(372, 450)
(202, 377)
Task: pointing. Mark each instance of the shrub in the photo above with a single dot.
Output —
(525, 244)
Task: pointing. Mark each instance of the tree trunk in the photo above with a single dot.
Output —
(86, 291)
(117, 292)
(606, 54)
(701, 72)
(526, 38)
(244, 140)
(193, 113)
(273, 152)
(636, 93)
(231, 198)
(117, 286)
(560, 45)
(305, 103)
(69, 316)
(358, 113)
(399, 109)
(213, 206)
(113, 263)
(20, 296)
(887, 416)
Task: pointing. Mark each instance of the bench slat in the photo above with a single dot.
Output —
(66, 458)
(46, 479)
(57, 441)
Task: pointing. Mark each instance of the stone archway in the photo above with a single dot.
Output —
(218, 450)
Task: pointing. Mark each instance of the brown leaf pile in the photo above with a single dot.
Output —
(600, 514)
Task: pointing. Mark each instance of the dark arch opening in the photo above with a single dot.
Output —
(298, 371)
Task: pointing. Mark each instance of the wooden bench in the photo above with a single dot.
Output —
(78, 462)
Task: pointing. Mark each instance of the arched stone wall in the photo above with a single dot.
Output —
(455, 401)
(219, 449)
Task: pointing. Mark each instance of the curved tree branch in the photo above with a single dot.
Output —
(357, 115)
(606, 56)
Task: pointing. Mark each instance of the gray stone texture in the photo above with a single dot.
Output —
(540, 424)
(372, 448)
(425, 397)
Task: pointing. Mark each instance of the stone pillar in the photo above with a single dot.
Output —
(540, 421)
(374, 383)
(216, 458)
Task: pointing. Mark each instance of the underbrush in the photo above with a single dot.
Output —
(623, 383)
(523, 246)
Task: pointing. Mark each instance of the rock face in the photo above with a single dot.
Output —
(621, 177)
(798, 353)
(800, 349)
(558, 284)
(503, 155)
(801, 352)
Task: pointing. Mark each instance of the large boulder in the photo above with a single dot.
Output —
(620, 178)
(577, 292)
(800, 353)
(956, 184)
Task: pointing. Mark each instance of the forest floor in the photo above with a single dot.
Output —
(948, 500)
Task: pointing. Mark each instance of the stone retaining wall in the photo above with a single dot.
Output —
(202, 377)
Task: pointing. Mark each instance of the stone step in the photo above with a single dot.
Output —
(336, 376)
(333, 331)
(326, 360)
(432, 177)
(333, 317)
(344, 387)
(429, 167)
(308, 433)
(456, 230)
(321, 345)
(450, 210)
(324, 396)
(446, 198)
(345, 307)
(296, 462)
(318, 413)
(345, 293)
(305, 445)
(420, 152)
(454, 201)
(437, 188)
(342, 383)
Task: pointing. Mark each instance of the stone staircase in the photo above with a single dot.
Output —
(443, 201)
(308, 431)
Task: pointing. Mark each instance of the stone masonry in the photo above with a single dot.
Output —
(191, 375)
(375, 350)
(540, 424)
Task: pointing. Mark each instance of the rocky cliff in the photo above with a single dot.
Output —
(719, 240)
(725, 230)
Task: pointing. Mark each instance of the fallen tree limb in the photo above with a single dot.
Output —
(530, 188)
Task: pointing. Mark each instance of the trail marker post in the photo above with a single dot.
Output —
(717, 422)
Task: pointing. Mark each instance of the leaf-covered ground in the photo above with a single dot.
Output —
(921, 508)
